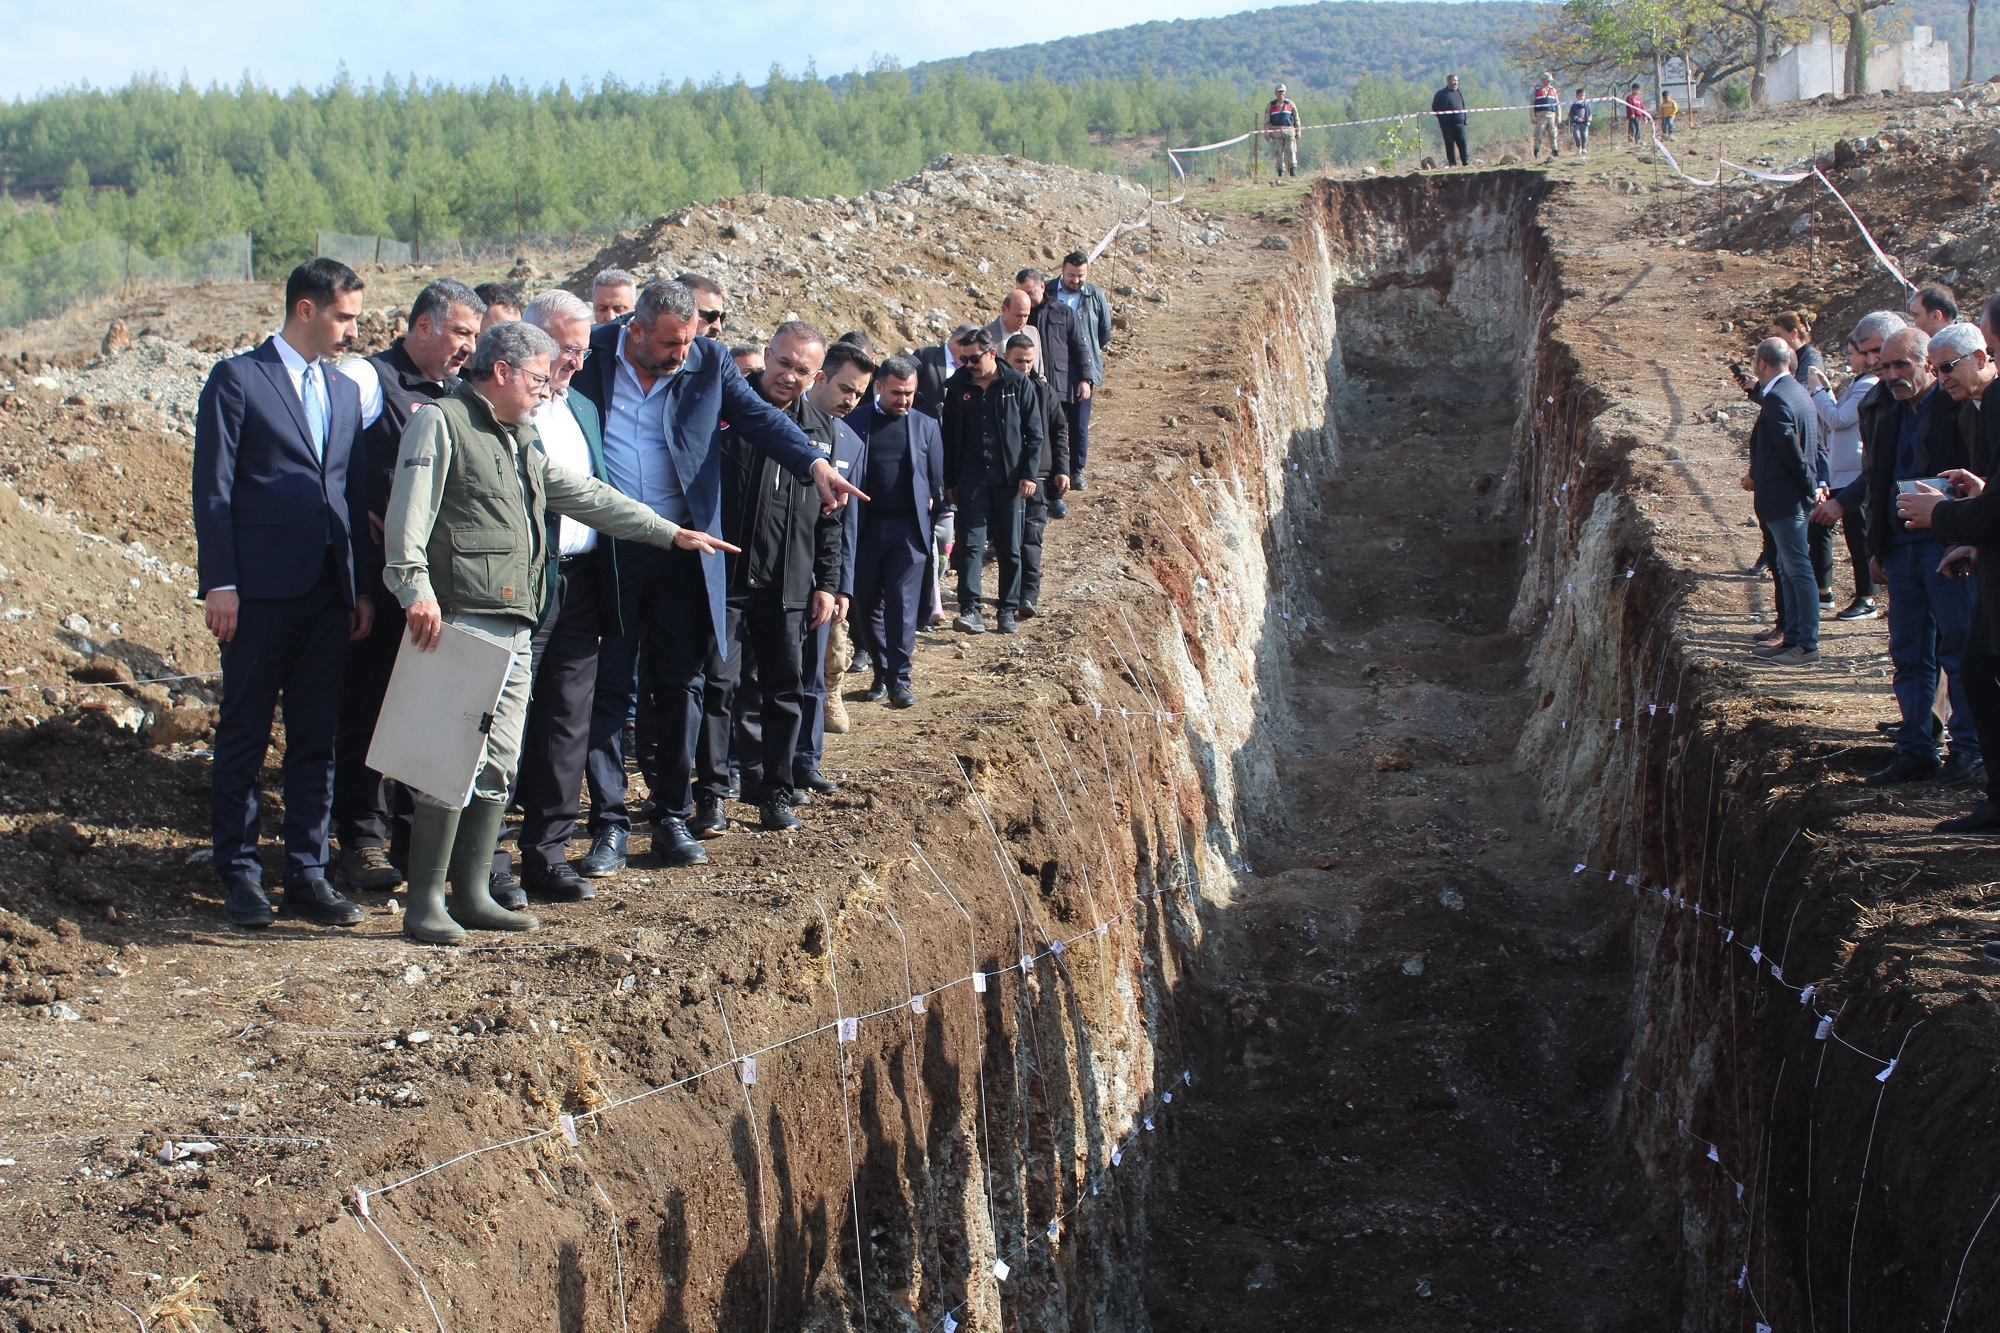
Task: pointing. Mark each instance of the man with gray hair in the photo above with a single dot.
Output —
(465, 552)
(1930, 610)
(612, 294)
(417, 367)
(1786, 466)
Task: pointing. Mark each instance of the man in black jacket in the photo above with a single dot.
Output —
(992, 454)
(1066, 350)
(1930, 610)
(935, 365)
(1054, 478)
(418, 367)
(1784, 477)
(786, 578)
(1449, 108)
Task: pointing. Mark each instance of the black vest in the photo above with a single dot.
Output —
(404, 389)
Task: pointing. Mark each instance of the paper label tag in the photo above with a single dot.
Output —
(950, 1325)
(1883, 1077)
(1000, 1270)
(1104, 927)
(1055, 1229)
(850, 1029)
(1805, 996)
(1056, 947)
(979, 982)
(1117, 1156)
(1187, 1077)
(1825, 1029)
(1167, 1096)
(1756, 953)
(1027, 964)
(1149, 1122)
(749, 1070)
(568, 1125)
(1713, 1155)
(917, 1004)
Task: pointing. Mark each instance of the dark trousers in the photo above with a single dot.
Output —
(989, 515)
(888, 586)
(1079, 435)
(1854, 526)
(614, 704)
(288, 650)
(1979, 670)
(667, 605)
(556, 736)
(1632, 128)
(361, 797)
(764, 631)
(1454, 146)
(1034, 522)
(1930, 624)
(812, 701)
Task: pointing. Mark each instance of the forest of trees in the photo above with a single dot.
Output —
(160, 167)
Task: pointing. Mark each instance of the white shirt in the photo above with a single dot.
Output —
(362, 371)
(562, 440)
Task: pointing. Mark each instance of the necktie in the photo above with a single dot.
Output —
(314, 397)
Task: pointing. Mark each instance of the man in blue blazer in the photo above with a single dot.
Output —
(281, 525)
(904, 476)
(662, 390)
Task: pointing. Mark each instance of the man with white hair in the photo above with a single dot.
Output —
(613, 293)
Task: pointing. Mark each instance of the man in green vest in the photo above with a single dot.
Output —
(467, 545)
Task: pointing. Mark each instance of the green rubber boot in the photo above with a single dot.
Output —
(433, 829)
(472, 904)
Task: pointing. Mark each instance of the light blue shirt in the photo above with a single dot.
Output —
(635, 442)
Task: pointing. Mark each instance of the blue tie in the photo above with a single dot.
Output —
(315, 401)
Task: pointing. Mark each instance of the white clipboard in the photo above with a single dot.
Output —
(431, 732)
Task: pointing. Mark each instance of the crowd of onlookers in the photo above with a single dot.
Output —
(1896, 458)
(674, 549)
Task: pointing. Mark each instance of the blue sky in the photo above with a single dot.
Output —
(281, 42)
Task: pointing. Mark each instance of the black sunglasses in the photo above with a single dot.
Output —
(715, 317)
(1949, 366)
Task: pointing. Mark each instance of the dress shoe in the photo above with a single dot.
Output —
(646, 811)
(320, 903)
(557, 884)
(1058, 509)
(1006, 624)
(735, 792)
(817, 782)
(1982, 818)
(606, 856)
(1958, 767)
(675, 845)
(1757, 569)
(366, 869)
(901, 696)
(1903, 768)
(709, 820)
(874, 694)
(776, 811)
(1769, 637)
(244, 904)
(1763, 649)
(969, 622)
(1076, 481)
(1861, 608)
(1027, 609)
(506, 890)
(1791, 657)
(1990, 951)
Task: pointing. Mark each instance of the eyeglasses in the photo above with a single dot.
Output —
(570, 353)
(537, 382)
(715, 317)
(1949, 366)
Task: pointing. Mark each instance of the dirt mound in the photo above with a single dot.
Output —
(907, 263)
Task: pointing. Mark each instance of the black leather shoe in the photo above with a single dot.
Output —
(874, 694)
(1903, 768)
(708, 821)
(507, 891)
(1027, 611)
(320, 903)
(1076, 481)
(1058, 509)
(901, 696)
(675, 845)
(1004, 623)
(817, 782)
(557, 884)
(735, 784)
(776, 811)
(1958, 768)
(1982, 818)
(646, 811)
(244, 904)
(606, 856)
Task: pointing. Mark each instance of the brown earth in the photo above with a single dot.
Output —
(1502, 1175)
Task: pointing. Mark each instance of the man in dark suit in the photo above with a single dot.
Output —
(1930, 610)
(418, 367)
(662, 390)
(992, 431)
(281, 524)
(1068, 362)
(904, 478)
(1054, 479)
(935, 365)
(1785, 467)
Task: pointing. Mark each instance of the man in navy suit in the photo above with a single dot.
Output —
(281, 523)
(904, 478)
(1785, 480)
(661, 391)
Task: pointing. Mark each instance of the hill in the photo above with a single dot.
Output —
(1327, 47)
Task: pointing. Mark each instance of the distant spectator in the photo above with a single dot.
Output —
(1449, 108)
(503, 303)
(1579, 123)
(1544, 101)
(1669, 108)
(1932, 307)
(612, 295)
(709, 300)
(1281, 126)
(749, 358)
(1635, 111)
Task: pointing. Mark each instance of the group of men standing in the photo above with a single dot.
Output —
(1916, 497)
(654, 536)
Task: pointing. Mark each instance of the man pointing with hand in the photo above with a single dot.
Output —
(466, 545)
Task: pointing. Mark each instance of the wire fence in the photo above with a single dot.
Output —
(49, 284)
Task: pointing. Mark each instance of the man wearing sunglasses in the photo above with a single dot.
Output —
(711, 303)
(993, 443)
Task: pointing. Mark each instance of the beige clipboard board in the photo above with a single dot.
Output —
(431, 732)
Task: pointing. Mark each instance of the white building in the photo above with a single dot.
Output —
(1920, 65)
